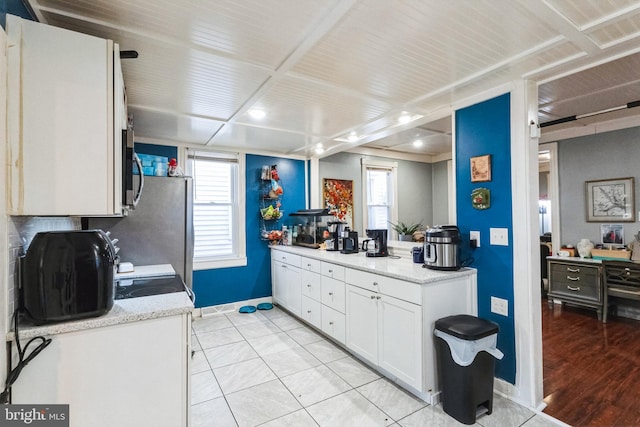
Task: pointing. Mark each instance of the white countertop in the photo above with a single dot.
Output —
(123, 311)
(399, 268)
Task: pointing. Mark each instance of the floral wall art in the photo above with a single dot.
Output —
(338, 198)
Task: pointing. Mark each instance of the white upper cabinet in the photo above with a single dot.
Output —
(65, 115)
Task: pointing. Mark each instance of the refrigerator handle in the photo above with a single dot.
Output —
(139, 193)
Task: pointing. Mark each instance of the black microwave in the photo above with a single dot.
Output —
(67, 275)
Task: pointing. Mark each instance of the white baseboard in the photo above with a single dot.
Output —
(213, 310)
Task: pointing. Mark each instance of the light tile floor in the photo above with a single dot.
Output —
(267, 368)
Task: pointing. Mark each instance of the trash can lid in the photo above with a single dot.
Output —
(466, 327)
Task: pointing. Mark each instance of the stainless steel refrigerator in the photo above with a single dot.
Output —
(160, 229)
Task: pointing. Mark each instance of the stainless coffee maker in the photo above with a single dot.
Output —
(376, 244)
(334, 241)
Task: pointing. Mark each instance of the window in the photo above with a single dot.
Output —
(218, 209)
(379, 196)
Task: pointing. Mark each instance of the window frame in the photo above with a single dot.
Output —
(392, 167)
(239, 259)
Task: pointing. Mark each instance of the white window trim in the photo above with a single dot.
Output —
(241, 259)
(367, 163)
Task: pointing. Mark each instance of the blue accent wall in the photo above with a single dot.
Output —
(167, 151)
(482, 129)
(225, 285)
(13, 7)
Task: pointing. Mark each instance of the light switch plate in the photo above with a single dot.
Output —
(499, 236)
(475, 235)
(499, 306)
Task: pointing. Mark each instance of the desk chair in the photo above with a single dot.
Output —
(621, 280)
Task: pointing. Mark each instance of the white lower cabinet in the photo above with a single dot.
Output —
(132, 374)
(287, 288)
(400, 339)
(386, 331)
(361, 322)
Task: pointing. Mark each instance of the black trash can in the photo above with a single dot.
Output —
(466, 347)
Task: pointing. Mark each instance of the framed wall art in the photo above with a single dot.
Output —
(610, 200)
(337, 195)
(481, 168)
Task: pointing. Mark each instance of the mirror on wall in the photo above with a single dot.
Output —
(421, 157)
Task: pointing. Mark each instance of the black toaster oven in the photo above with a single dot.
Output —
(67, 275)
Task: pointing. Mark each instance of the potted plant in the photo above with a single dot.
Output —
(405, 231)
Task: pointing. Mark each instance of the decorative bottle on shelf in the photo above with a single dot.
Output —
(584, 248)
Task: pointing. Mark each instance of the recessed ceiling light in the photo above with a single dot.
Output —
(418, 143)
(257, 114)
(404, 117)
(319, 148)
(353, 137)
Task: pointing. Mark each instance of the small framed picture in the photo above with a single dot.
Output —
(612, 234)
(481, 168)
(610, 200)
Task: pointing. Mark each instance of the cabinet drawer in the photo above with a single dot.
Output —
(333, 324)
(311, 285)
(333, 293)
(407, 291)
(287, 258)
(312, 311)
(332, 270)
(310, 265)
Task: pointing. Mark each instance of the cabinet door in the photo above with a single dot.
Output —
(294, 289)
(362, 323)
(400, 339)
(62, 134)
(141, 368)
(278, 283)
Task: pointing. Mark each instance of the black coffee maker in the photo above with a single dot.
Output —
(376, 244)
(334, 241)
(348, 241)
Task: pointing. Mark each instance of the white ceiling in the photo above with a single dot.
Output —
(322, 70)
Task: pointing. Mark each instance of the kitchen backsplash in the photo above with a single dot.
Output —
(21, 231)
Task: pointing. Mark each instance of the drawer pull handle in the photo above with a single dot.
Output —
(573, 270)
(308, 286)
(330, 323)
(309, 265)
(573, 279)
(378, 297)
(576, 289)
(375, 283)
(373, 297)
(331, 293)
(330, 271)
(309, 311)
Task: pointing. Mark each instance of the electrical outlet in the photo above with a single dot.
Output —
(500, 306)
(475, 235)
(499, 236)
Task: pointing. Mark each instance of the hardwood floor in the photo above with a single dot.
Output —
(591, 369)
